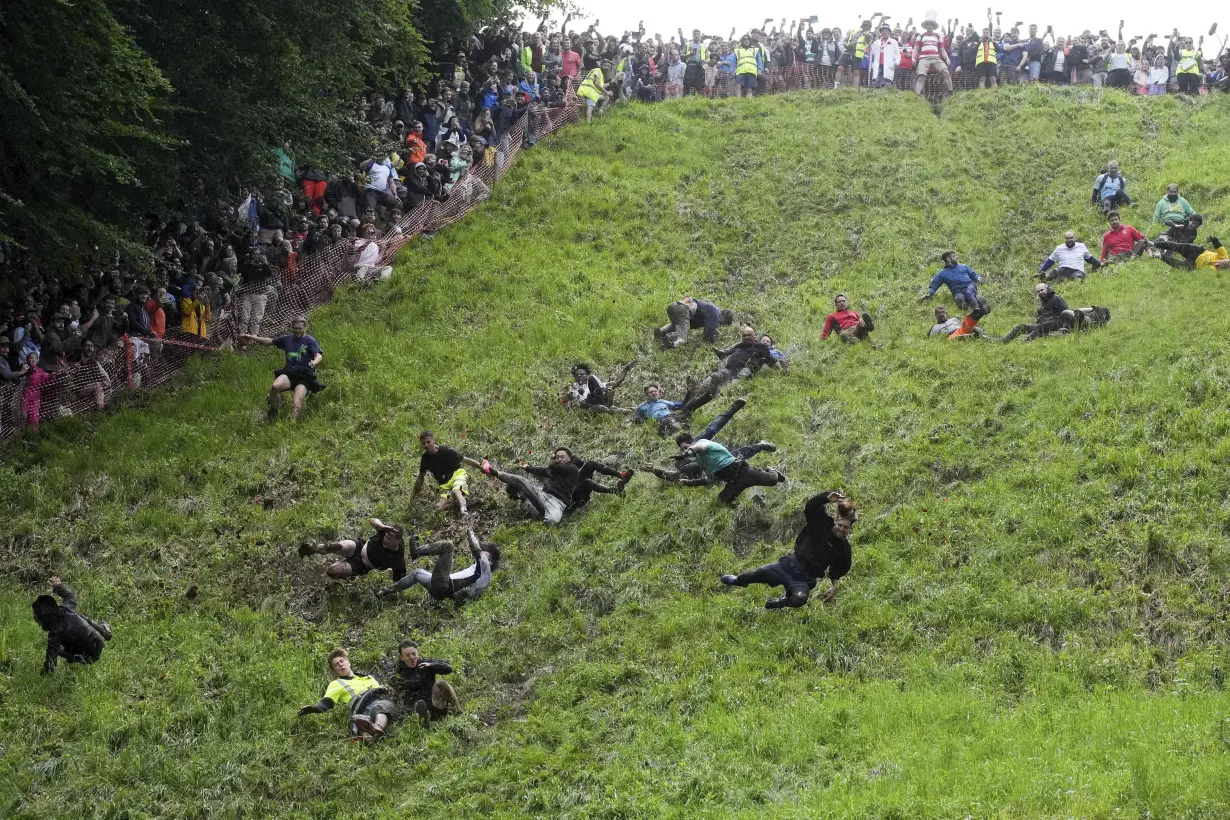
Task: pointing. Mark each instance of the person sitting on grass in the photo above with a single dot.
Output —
(590, 393)
(303, 353)
(1183, 231)
(1053, 316)
(383, 551)
(548, 500)
(692, 314)
(720, 464)
(1071, 257)
(1110, 189)
(655, 408)
(962, 282)
(1172, 209)
(1121, 242)
(782, 360)
(70, 635)
(446, 467)
(440, 581)
(369, 702)
(1186, 255)
(415, 685)
(821, 548)
(740, 361)
(949, 326)
(851, 327)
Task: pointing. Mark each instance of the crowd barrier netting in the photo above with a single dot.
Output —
(136, 363)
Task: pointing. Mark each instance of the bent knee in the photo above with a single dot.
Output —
(339, 569)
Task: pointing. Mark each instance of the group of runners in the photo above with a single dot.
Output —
(568, 481)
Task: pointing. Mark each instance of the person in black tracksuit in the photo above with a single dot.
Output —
(1053, 314)
(415, 685)
(70, 635)
(821, 548)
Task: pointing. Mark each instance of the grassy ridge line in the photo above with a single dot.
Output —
(1076, 560)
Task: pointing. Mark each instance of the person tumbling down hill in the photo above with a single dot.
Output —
(370, 706)
(548, 500)
(688, 471)
(70, 635)
(586, 485)
(950, 326)
(851, 326)
(962, 282)
(821, 548)
(741, 361)
(655, 408)
(446, 467)
(1053, 316)
(299, 373)
(692, 314)
(383, 551)
(589, 392)
(440, 581)
(1185, 255)
(1071, 257)
(720, 464)
(416, 687)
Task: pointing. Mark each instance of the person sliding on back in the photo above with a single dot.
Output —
(962, 282)
(548, 500)
(440, 581)
(70, 635)
(821, 548)
(370, 706)
(298, 375)
(416, 686)
(720, 465)
(851, 326)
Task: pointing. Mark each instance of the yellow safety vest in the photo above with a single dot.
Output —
(986, 53)
(860, 46)
(343, 690)
(745, 61)
(592, 87)
(1189, 61)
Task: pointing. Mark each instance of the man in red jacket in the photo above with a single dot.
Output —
(850, 326)
(1121, 242)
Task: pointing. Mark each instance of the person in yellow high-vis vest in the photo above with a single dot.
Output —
(850, 64)
(747, 66)
(1188, 73)
(367, 697)
(986, 64)
(593, 90)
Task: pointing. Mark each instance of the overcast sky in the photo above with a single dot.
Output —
(1140, 18)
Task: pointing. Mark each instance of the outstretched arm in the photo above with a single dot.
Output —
(260, 340)
(322, 705)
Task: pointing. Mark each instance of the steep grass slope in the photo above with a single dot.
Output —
(1036, 620)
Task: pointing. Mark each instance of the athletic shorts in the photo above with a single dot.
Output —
(988, 70)
(301, 377)
(746, 80)
(357, 567)
(846, 60)
(458, 481)
(928, 65)
(590, 103)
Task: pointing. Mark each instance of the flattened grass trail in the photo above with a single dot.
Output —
(1036, 620)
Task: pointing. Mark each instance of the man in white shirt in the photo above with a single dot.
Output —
(379, 190)
(1071, 257)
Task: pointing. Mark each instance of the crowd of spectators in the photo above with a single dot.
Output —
(229, 260)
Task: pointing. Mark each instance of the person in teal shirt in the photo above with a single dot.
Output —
(720, 465)
(1172, 209)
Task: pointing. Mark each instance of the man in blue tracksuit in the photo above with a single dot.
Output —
(962, 281)
(656, 408)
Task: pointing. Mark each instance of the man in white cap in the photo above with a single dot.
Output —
(930, 55)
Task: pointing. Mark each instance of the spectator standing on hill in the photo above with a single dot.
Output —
(692, 314)
(851, 327)
(1172, 208)
(415, 686)
(257, 278)
(930, 56)
(1053, 315)
(370, 706)
(748, 65)
(446, 467)
(885, 57)
(696, 54)
(1190, 68)
(1121, 242)
(70, 635)
(593, 90)
(986, 61)
(383, 551)
(1110, 189)
(32, 392)
(1071, 257)
(822, 548)
(720, 464)
(298, 375)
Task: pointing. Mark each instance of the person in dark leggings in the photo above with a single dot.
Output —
(821, 548)
(441, 582)
(741, 361)
(720, 464)
(586, 486)
(416, 686)
(1185, 255)
(70, 635)
(688, 471)
(551, 498)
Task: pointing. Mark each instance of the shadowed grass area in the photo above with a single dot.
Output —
(1035, 624)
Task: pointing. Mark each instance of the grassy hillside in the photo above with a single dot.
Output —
(1036, 621)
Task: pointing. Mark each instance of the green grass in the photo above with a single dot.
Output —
(1035, 624)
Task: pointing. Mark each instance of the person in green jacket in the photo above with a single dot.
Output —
(1172, 209)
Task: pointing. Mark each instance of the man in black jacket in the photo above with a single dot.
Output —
(1053, 315)
(821, 548)
(692, 314)
(70, 635)
(415, 684)
(739, 362)
(551, 498)
(383, 551)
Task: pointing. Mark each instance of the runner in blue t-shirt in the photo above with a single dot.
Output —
(299, 373)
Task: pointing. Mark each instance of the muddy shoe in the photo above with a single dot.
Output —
(421, 709)
(766, 446)
(366, 726)
(271, 414)
(775, 603)
(104, 629)
(729, 580)
(306, 549)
